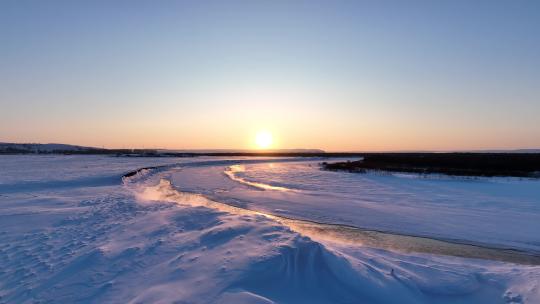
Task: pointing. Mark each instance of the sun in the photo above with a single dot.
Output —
(263, 139)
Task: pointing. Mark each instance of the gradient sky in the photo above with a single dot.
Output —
(335, 75)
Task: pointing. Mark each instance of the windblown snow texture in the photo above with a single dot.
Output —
(72, 230)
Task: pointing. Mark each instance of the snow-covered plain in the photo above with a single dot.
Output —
(73, 230)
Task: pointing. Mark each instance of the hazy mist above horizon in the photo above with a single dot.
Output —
(332, 75)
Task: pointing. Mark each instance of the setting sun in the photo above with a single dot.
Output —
(263, 139)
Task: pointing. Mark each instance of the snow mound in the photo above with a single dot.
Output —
(307, 272)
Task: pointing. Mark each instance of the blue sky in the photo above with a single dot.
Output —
(336, 75)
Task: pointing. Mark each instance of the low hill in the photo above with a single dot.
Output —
(29, 148)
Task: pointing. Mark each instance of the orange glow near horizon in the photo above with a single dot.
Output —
(162, 134)
(294, 121)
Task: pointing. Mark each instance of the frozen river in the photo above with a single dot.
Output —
(500, 212)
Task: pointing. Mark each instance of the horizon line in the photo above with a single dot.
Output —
(277, 150)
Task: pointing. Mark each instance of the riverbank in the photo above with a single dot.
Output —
(457, 164)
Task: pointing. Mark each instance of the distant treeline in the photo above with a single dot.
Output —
(156, 153)
(275, 154)
(89, 151)
(463, 164)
